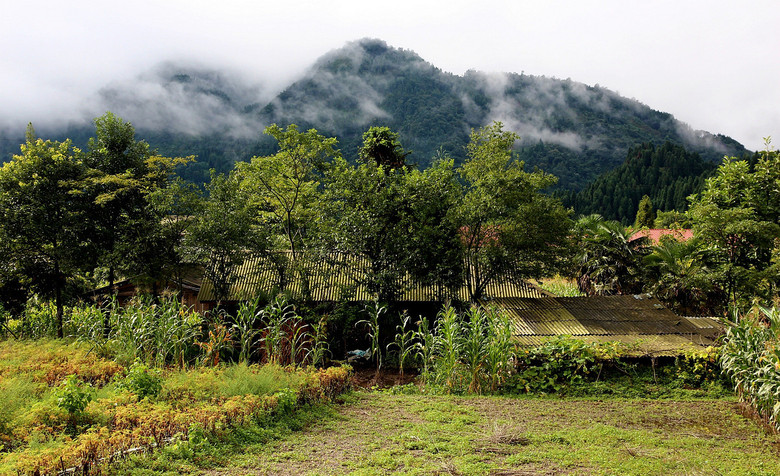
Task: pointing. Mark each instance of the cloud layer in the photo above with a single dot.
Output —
(711, 64)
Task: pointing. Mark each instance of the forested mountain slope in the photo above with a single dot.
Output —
(668, 174)
(570, 129)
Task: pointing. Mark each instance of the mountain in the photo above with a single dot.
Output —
(570, 129)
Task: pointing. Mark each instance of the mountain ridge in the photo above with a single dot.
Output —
(567, 128)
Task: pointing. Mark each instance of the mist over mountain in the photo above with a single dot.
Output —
(570, 129)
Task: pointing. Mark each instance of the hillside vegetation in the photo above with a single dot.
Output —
(667, 174)
(570, 129)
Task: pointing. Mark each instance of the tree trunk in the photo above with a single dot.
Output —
(58, 300)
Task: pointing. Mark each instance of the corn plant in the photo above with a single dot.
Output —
(374, 311)
(403, 342)
(244, 327)
(474, 345)
(424, 342)
(750, 357)
(499, 349)
(318, 343)
(447, 347)
(220, 339)
(276, 318)
(85, 323)
(297, 338)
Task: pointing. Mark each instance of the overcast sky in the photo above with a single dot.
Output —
(714, 64)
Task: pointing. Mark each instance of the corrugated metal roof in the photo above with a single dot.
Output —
(338, 277)
(640, 320)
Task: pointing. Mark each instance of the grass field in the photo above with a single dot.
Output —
(381, 433)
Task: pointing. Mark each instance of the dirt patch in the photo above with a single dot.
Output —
(368, 378)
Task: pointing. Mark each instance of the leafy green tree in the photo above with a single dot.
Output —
(122, 172)
(364, 206)
(432, 253)
(645, 215)
(508, 228)
(159, 252)
(284, 187)
(672, 220)
(381, 146)
(398, 219)
(225, 233)
(737, 217)
(42, 212)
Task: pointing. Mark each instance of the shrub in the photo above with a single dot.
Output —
(697, 367)
(73, 396)
(559, 362)
(142, 381)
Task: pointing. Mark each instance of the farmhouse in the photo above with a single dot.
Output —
(654, 235)
(187, 288)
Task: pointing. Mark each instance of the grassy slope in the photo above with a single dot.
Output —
(413, 434)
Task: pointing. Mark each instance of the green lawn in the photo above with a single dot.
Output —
(380, 433)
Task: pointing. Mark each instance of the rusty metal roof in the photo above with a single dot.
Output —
(340, 277)
(640, 320)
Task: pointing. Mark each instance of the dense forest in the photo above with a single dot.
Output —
(667, 174)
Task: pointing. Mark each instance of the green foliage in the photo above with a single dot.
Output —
(374, 311)
(737, 219)
(508, 228)
(52, 420)
(607, 261)
(750, 357)
(403, 341)
(73, 396)
(43, 219)
(165, 332)
(399, 220)
(221, 237)
(676, 275)
(645, 215)
(381, 147)
(695, 369)
(666, 174)
(471, 351)
(244, 325)
(283, 188)
(554, 365)
(142, 381)
(39, 319)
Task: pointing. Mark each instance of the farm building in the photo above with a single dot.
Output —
(341, 278)
(641, 321)
(654, 235)
(187, 288)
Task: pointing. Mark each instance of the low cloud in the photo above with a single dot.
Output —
(528, 106)
(186, 99)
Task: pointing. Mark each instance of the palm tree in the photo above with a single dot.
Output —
(677, 277)
(608, 260)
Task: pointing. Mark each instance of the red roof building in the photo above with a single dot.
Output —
(654, 234)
